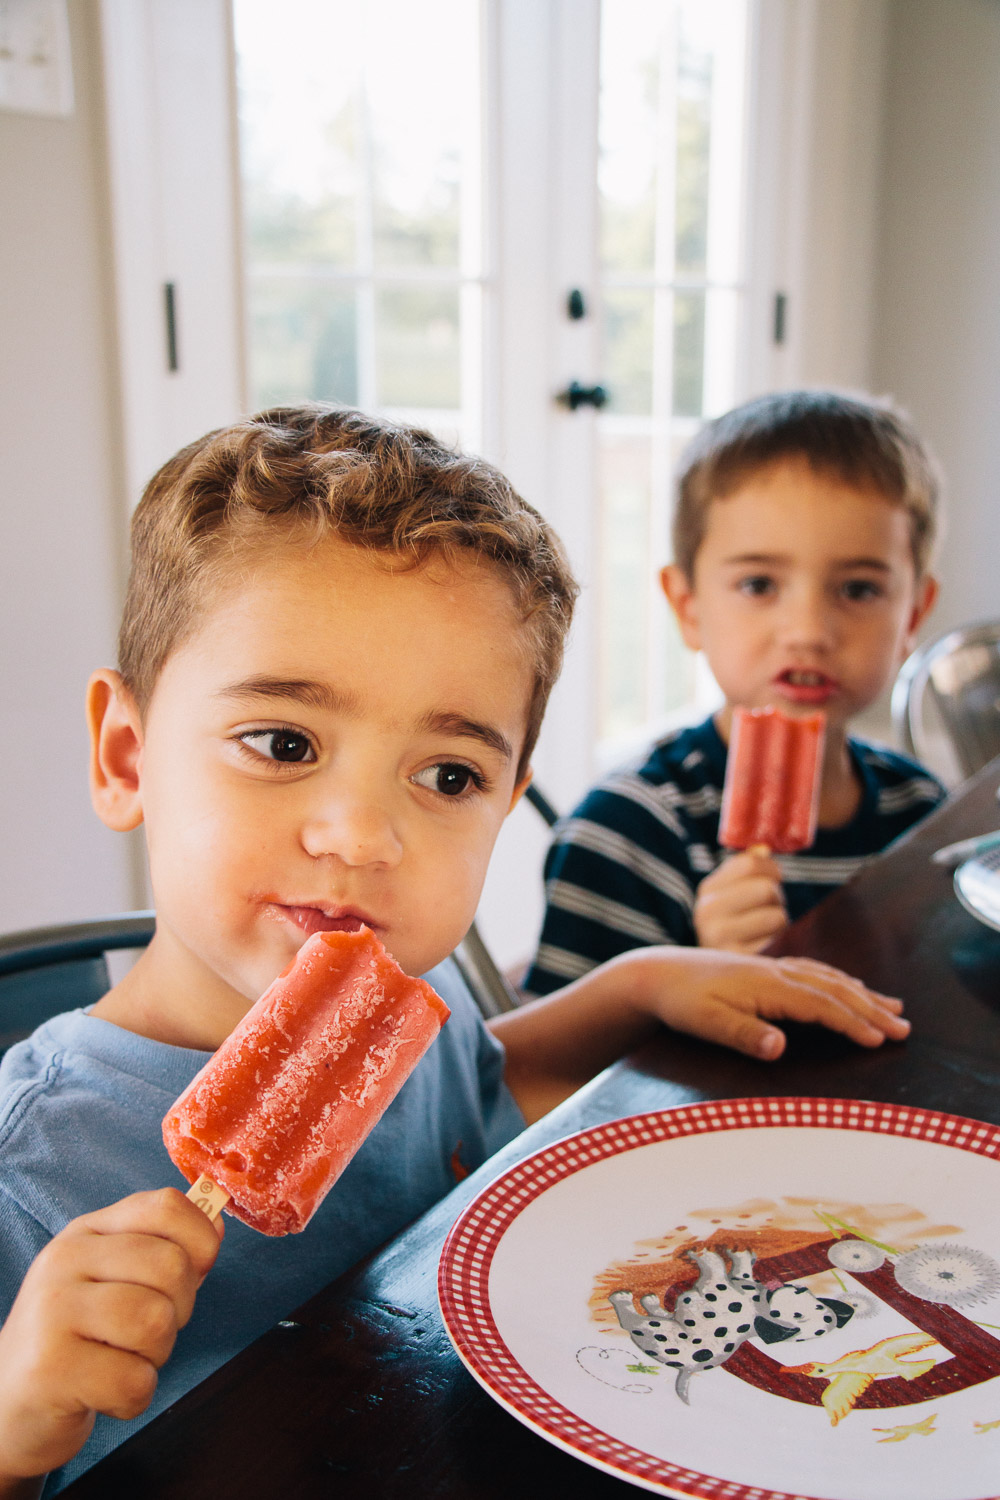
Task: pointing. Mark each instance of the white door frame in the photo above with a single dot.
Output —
(174, 184)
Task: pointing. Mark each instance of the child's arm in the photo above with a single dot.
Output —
(96, 1317)
(740, 906)
(556, 1044)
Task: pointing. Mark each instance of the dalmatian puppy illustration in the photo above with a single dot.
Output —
(723, 1309)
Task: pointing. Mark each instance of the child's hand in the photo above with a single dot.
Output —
(740, 907)
(731, 1000)
(96, 1317)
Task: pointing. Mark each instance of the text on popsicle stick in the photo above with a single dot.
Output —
(208, 1196)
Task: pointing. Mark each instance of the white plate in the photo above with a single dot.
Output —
(886, 1219)
(977, 885)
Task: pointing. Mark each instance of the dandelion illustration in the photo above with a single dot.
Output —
(864, 1306)
(855, 1255)
(955, 1275)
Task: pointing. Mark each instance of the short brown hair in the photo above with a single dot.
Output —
(305, 471)
(866, 443)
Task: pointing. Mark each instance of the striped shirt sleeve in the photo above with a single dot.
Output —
(617, 877)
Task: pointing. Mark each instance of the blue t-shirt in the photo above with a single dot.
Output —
(624, 868)
(81, 1103)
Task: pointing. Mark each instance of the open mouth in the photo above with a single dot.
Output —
(805, 685)
(315, 919)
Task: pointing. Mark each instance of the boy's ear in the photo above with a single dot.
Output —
(115, 751)
(681, 597)
(924, 599)
(520, 789)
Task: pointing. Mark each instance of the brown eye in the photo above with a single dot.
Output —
(449, 778)
(286, 745)
(453, 779)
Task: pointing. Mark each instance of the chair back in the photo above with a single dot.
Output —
(46, 970)
(959, 674)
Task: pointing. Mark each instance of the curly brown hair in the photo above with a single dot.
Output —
(866, 443)
(302, 472)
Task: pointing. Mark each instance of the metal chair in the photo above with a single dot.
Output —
(46, 970)
(958, 676)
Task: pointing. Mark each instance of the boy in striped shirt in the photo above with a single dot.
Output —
(803, 536)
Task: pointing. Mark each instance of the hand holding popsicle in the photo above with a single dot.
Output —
(740, 906)
(95, 1319)
(770, 803)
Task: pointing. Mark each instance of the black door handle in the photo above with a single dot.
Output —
(576, 395)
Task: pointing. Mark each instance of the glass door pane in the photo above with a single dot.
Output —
(361, 162)
(670, 189)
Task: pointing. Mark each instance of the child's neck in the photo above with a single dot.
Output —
(158, 1000)
(840, 785)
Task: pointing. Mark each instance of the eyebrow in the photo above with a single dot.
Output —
(297, 690)
(763, 559)
(457, 724)
(333, 700)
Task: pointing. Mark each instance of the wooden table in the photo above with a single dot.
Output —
(360, 1395)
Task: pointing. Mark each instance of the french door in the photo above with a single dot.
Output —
(518, 222)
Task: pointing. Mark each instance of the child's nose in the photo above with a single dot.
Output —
(807, 619)
(355, 827)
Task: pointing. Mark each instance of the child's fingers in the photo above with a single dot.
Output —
(53, 1380)
(118, 1383)
(163, 1213)
(97, 1377)
(743, 918)
(819, 972)
(740, 867)
(97, 1314)
(750, 1031)
(748, 894)
(879, 1008)
(148, 1261)
(169, 1255)
(832, 999)
(757, 926)
(132, 1318)
(742, 1030)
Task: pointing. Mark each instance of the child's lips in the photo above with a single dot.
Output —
(804, 685)
(322, 919)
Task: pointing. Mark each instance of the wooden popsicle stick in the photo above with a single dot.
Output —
(208, 1196)
(762, 850)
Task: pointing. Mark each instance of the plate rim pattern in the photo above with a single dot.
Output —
(472, 1242)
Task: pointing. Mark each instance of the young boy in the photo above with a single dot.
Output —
(803, 534)
(336, 649)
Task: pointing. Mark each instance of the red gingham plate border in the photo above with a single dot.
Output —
(464, 1270)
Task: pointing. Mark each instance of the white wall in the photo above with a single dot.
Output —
(936, 335)
(82, 268)
(813, 188)
(61, 504)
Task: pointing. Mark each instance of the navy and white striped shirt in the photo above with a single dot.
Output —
(624, 867)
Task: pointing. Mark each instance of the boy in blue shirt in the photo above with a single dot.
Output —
(336, 649)
(803, 534)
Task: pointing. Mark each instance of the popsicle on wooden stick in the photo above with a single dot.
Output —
(276, 1115)
(771, 795)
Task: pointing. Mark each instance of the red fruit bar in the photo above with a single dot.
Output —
(771, 795)
(284, 1104)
